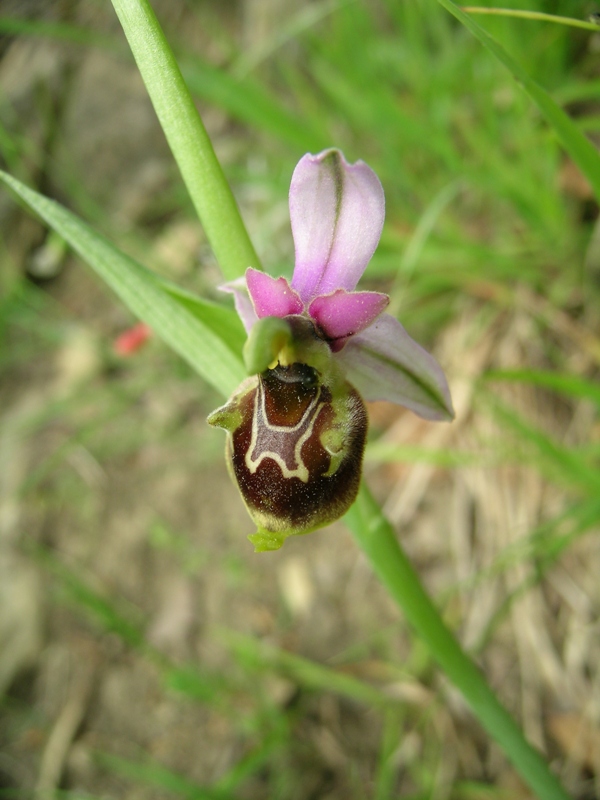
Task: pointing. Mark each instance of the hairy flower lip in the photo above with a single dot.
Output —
(337, 211)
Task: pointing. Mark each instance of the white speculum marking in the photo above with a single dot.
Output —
(263, 432)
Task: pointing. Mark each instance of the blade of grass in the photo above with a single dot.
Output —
(205, 688)
(570, 385)
(104, 613)
(577, 90)
(58, 794)
(539, 16)
(251, 102)
(194, 340)
(581, 150)
(387, 768)
(564, 465)
(546, 547)
(60, 31)
(208, 688)
(306, 17)
(153, 774)
(260, 656)
(376, 537)
(187, 138)
(252, 762)
(381, 452)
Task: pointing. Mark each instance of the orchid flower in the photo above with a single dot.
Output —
(316, 348)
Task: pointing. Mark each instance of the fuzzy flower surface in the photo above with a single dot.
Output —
(337, 212)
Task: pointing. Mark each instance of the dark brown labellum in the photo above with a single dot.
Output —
(295, 447)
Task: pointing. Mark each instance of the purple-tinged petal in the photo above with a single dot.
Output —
(241, 299)
(384, 363)
(337, 211)
(343, 314)
(272, 297)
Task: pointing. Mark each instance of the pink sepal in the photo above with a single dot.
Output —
(342, 314)
(272, 297)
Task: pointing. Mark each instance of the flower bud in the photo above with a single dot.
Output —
(295, 444)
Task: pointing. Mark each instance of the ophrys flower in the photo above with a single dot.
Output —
(316, 348)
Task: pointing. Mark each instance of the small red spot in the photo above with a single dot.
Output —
(131, 340)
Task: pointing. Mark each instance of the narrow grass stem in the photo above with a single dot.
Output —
(534, 15)
(187, 138)
(375, 536)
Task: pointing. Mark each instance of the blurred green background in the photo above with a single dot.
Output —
(145, 651)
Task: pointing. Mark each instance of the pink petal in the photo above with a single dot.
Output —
(243, 304)
(384, 363)
(343, 314)
(272, 297)
(337, 211)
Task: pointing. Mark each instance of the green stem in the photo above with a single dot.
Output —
(376, 537)
(187, 138)
(535, 15)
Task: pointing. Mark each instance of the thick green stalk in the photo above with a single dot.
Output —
(187, 138)
(376, 538)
